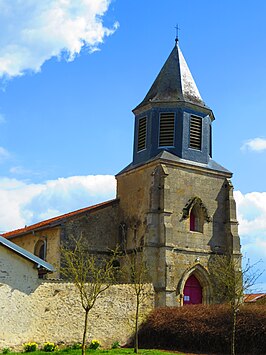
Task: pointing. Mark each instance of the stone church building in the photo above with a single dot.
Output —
(174, 203)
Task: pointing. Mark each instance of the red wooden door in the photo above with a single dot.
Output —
(192, 291)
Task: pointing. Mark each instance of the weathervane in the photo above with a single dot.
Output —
(176, 36)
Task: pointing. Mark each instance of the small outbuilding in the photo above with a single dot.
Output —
(19, 268)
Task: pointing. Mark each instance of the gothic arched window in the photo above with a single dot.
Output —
(197, 214)
(196, 219)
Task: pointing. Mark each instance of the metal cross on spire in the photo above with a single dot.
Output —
(176, 36)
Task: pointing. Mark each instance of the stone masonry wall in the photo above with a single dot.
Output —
(99, 229)
(155, 195)
(52, 312)
(51, 236)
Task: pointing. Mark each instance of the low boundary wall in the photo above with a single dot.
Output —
(52, 312)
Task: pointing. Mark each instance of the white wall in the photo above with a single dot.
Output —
(52, 312)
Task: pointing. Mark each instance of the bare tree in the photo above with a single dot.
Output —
(137, 275)
(231, 282)
(90, 274)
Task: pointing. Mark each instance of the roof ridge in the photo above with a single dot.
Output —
(57, 218)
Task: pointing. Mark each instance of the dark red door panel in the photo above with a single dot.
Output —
(192, 291)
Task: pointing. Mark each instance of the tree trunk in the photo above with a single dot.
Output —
(85, 332)
(233, 340)
(136, 347)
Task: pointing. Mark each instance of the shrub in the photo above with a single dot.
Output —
(94, 344)
(69, 348)
(30, 347)
(5, 350)
(116, 345)
(76, 346)
(205, 329)
(49, 347)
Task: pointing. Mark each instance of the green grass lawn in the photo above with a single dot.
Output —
(99, 352)
(130, 351)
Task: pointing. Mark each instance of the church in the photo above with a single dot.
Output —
(174, 203)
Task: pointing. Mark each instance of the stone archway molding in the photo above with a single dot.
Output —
(203, 276)
(190, 204)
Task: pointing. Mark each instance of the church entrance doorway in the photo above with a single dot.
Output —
(192, 291)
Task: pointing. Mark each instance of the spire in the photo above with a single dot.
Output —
(174, 82)
(173, 117)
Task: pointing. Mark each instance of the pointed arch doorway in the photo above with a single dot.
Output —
(196, 284)
(192, 291)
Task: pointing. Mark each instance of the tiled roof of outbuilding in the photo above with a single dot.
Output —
(57, 220)
(253, 297)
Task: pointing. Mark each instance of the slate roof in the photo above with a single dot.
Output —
(26, 254)
(167, 156)
(55, 221)
(174, 82)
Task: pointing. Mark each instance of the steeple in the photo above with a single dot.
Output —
(173, 121)
(174, 192)
(174, 83)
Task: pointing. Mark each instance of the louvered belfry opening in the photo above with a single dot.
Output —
(210, 142)
(167, 129)
(142, 133)
(195, 132)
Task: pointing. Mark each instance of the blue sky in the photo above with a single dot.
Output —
(72, 71)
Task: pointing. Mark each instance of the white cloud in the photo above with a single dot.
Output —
(4, 154)
(35, 31)
(255, 144)
(251, 213)
(13, 195)
(251, 208)
(24, 203)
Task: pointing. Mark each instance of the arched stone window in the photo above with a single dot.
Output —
(197, 214)
(196, 219)
(40, 249)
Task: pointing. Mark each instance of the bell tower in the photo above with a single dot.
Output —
(173, 117)
(176, 202)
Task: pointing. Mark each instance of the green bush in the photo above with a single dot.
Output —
(116, 345)
(49, 347)
(94, 344)
(5, 350)
(30, 347)
(76, 346)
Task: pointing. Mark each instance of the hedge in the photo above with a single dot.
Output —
(206, 329)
